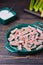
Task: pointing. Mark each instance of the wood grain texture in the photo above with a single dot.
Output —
(7, 58)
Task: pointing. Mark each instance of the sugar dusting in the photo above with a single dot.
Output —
(5, 14)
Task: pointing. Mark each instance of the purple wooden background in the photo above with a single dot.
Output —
(7, 58)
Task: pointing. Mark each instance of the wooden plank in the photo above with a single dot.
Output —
(21, 61)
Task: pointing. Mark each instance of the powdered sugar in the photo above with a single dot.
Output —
(5, 14)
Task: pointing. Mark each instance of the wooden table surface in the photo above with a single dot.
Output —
(7, 58)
